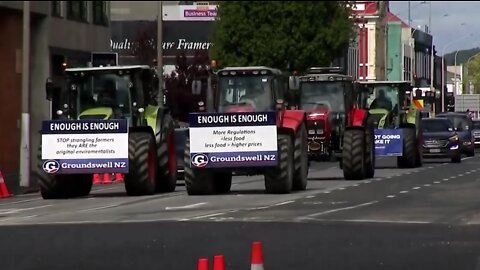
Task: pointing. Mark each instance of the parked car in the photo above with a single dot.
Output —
(440, 139)
(464, 124)
(476, 132)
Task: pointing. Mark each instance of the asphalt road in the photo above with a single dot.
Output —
(423, 218)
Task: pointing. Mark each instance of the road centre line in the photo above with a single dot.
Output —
(340, 209)
(190, 206)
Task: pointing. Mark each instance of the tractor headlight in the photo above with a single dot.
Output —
(311, 132)
(454, 138)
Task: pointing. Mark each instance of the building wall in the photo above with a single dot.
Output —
(48, 35)
(395, 55)
(10, 86)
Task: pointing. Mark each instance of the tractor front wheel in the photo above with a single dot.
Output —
(353, 154)
(279, 180)
(142, 155)
(300, 174)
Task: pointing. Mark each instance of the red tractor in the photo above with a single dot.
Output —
(337, 123)
(243, 92)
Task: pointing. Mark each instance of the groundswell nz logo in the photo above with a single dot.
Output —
(51, 166)
(200, 160)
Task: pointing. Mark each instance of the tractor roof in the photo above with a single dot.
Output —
(107, 68)
(250, 69)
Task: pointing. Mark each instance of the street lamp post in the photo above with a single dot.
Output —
(160, 97)
(443, 64)
(25, 117)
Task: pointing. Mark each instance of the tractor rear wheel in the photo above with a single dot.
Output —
(369, 149)
(167, 158)
(197, 182)
(142, 155)
(410, 149)
(279, 180)
(300, 174)
(353, 154)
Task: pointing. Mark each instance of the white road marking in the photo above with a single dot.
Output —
(99, 208)
(437, 182)
(282, 203)
(426, 185)
(367, 182)
(416, 188)
(467, 172)
(23, 201)
(391, 196)
(205, 216)
(388, 177)
(17, 210)
(326, 192)
(355, 185)
(341, 209)
(460, 175)
(445, 180)
(385, 221)
(310, 196)
(190, 206)
(403, 191)
(17, 218)
(430, 167)
(342, 188)
(453, 177)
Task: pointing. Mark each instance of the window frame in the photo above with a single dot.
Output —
(99, 13)
(82, 15)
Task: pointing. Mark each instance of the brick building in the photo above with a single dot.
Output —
(60, 31)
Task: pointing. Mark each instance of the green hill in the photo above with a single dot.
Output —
(462, 56)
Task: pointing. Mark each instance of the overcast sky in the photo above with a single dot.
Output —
(447, 18)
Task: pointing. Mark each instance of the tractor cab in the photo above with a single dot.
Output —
(250, 89)
(324, 94)
(118, 92)
(389, 103)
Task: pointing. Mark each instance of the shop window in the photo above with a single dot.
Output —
(77, 10)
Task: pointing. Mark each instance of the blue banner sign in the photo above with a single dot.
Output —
(388, 142)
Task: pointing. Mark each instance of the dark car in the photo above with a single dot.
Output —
(440, 140)
(476, 132)
(464, 124)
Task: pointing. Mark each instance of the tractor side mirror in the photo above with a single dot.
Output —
(49, 89)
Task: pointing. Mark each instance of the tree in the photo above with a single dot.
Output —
(473, 74)
(289, 35)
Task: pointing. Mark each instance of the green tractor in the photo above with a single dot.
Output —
(114, 93)
(396, 120)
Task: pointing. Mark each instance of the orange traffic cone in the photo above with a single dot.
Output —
(96, 179)
(4, 193)
(106, 179)
(218, 262)
(118, 177)
(257, 256)
(202, 264)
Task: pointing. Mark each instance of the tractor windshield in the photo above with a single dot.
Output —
(383, 97)
(101, 96)
(326, 94)
(254, 91)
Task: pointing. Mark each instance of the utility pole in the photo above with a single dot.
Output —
(409, 15)
(25, 116)
(432, 62)
(160, 97)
